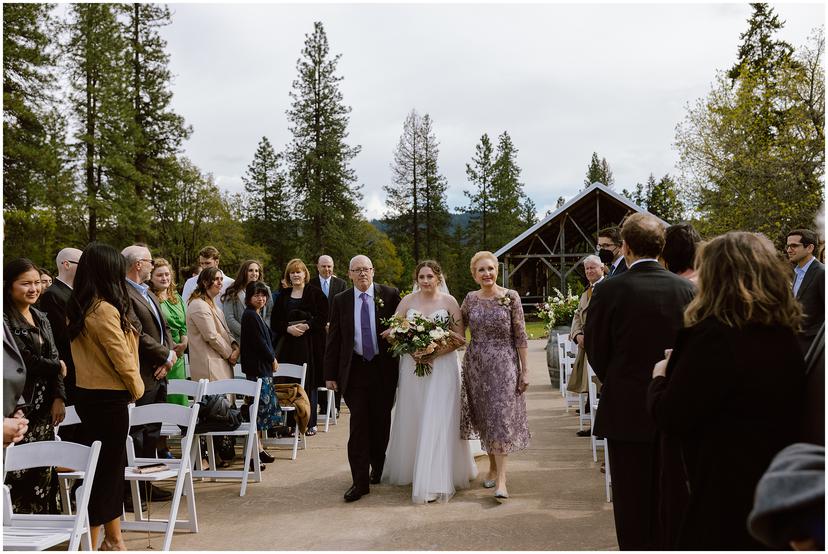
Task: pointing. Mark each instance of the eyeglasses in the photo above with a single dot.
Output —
(606, 245)
(71, 262)
(361, 270)
(148, 261)
(793, 245)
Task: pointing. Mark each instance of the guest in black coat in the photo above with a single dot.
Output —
(731, 392)
(808, 284)
(633, 318)
(299, 318)
(258, 360)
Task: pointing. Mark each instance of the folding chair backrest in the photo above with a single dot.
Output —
(160, 412)
(72, 417)
(186, 387)
(292, 370)
(231, 386)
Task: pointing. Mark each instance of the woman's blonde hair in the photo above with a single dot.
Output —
(479, 256)
(294, 265)
(172, 293)
(742, 280)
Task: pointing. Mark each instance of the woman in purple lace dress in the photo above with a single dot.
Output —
(494, 371)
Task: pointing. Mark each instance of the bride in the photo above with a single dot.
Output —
(425, 448)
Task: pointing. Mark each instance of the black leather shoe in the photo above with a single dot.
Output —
(128, 504)
(158, 495)
(266, 458)
(376, 475)
(353, 494)
(584, 433)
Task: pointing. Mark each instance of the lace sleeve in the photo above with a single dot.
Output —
(518, 323)
(464, 311)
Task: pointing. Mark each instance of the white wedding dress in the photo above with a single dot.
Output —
(425, 448)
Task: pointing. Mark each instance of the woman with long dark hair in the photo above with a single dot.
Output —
(735, 366)
(34, 490)
(233, 301)
(105, 351)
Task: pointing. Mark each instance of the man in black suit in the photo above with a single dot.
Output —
(809, 282)
(357, 362)
(331, 285)
(53, 302)
(155, 349)
(609, 250)
(633, 318)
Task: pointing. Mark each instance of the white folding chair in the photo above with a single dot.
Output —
(179, 469)
(192, 389)
(246, 429)
(596, 442)
(330, 413)
(297, 372)
(562, 361)
(67, 478)
(43, 531)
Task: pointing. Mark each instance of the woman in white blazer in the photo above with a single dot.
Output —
(213, 352)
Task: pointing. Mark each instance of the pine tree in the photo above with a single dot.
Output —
(318, 157)
(158, 131)
(506, 193)
(101, 105)
(599, 172)
(266, 203)
(435, 209)
(663, 200)
(480, 173)
(530, 213)
(404, 200)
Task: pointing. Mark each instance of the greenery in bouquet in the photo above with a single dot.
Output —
(557, 309)
(420, 335)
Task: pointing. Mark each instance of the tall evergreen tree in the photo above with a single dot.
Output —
(435, 210)
(660, 198)
(100, 103)
(318, 157)
(506, 193)
(266, 203)
(599, 172)
(480, 173)
(158, 130)
(752, 153)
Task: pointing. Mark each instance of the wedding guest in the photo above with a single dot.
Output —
(163, 286)
(15, 423)
(609, 250)
(34, 490)
(45, 280)
(735, 358)
(298, 320)
(213, 352)
(207, 257)
(579, 381)
(680, 242)
(233, 302)
(495, 370)
(258, 360)
(809, 282)
(105, 349)
(54, 302)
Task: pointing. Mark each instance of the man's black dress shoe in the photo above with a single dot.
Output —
(376, 475)
(128, 504)
(353, 494)
(157, 495)
(584, 433)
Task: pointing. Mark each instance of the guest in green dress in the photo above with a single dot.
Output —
(163, 285)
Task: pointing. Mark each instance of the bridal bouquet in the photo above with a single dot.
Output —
(422, 337)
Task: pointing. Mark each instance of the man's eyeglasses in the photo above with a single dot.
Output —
(148, 261)
(361, 270)
(793, 245)
(71, 262)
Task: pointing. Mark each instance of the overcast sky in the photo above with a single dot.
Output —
(563, 80)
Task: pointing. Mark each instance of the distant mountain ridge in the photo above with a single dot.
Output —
(457, 220)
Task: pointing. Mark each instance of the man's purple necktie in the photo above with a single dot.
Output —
(365, 327)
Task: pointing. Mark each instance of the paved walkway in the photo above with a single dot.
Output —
(557, 502)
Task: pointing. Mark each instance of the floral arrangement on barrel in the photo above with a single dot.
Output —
(423, 337)
(557, 310)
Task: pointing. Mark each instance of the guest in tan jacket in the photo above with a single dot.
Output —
(105, 350)
(213, 352)
(579, 381)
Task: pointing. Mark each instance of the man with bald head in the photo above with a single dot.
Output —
(331, 285)
(357, 363)
(155, 348)
(53, 302)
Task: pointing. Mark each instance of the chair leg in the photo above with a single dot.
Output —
(191, 505)
(607, 476)
(173, 517)
(247, 458)
(211, 454)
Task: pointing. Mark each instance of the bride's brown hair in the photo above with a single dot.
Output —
(433, 265)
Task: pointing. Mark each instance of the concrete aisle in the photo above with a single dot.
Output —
(557, 499)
